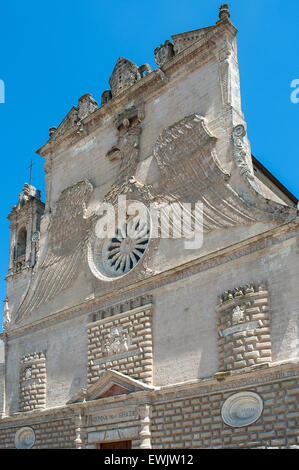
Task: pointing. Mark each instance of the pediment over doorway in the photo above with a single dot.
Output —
(111, 383)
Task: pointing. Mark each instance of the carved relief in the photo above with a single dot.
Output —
(225, 71)
(116, 342)
(126, 149)
(238, 314)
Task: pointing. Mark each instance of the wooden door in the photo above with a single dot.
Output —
(115, 445)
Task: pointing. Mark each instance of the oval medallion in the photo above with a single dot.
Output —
(24, 438)
(242, 409)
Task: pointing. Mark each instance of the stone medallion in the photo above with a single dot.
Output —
(24, 438)
(242, 409)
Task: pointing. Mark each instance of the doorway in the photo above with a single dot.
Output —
(115, 445)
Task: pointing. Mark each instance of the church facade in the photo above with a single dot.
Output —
(131, 340)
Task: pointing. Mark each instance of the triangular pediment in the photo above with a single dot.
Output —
(110, 383)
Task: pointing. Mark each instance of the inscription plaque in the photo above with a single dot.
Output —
(24, 438)
(242, 409)
(111, 416)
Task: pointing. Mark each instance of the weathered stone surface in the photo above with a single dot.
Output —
(150, 356)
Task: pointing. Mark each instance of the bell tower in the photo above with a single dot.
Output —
(25, 226)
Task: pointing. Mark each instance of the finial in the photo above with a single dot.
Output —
(52, 131)
(224, 11)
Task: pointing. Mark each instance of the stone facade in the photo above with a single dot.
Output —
(143, 341)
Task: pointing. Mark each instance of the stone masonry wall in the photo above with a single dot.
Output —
(58, 433)
(243, 327)
(196, 422)
(33, 382)
(123, 341)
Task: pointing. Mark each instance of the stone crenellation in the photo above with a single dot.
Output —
(243, 327)
(33, 382)
(116, 309)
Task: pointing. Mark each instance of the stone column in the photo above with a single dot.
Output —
(145, 422)
(78, 422)
(48, 178)
(12, 248)
(28, 241)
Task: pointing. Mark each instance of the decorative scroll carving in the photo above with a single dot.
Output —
(265, 209)
(191, 172)
(238, 134)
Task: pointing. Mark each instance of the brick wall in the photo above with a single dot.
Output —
(33, 382)
(197, 423)
(122, 342)
(50, 434)
(243, 326)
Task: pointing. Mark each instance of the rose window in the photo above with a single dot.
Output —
(122, 253)
(114, 257)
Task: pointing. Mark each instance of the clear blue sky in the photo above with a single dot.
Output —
(53, 52)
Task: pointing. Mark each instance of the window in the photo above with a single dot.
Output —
(21, 243)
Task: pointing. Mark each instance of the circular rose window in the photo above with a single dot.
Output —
(111, 258)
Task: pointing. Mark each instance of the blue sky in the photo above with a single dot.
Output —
(54, 52)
